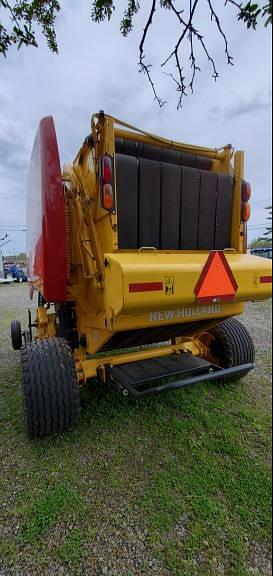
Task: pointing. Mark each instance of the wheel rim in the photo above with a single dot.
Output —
(213, 348)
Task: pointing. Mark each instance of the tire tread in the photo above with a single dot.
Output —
(236, 344)
(50, 387)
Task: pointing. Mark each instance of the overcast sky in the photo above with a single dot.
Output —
(97, 69)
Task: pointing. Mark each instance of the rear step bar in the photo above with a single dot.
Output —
(139, 378)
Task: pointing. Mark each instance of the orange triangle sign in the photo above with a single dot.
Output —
(216, 282)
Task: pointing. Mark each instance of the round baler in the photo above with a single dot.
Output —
(137, 257)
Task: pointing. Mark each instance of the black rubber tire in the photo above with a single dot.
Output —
(50, 387)
(234, 346)
(16, 335)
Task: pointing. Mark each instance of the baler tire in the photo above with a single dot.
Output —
(16, 335)
(50, 387)
(235, 346)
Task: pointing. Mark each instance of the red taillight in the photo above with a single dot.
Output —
(246, 191)
(107, 170)
(107, 183)
(107, 197)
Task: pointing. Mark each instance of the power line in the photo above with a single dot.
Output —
(13, 229)
(256, 227)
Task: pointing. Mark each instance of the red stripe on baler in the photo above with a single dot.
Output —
(146, 287)
(266, 279)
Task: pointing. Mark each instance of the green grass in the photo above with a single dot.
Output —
(184, 477)
(45, 511)
(72, 549)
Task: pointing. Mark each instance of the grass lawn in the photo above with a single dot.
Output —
(174, 485)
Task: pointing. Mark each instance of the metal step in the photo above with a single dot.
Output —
(148, 377)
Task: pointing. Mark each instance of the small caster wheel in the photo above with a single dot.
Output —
(16, 335)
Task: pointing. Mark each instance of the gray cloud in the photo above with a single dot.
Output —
(13, 160)
(252, 105)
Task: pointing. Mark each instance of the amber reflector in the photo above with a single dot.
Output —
(107, 199)
(246, 212)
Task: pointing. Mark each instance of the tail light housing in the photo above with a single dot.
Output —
(107, 178)
(245, 196)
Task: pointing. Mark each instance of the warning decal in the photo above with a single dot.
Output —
(169, 285)
(216, 282)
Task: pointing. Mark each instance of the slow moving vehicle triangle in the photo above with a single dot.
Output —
(216, 282)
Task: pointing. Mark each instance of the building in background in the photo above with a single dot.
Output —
(265, 252)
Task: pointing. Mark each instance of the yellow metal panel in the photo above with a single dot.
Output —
(185, 269)
(45, 323)
(237, 230)
(96, 339)
(90, 367)
(159, 141)
(175, 315)
(156, 317)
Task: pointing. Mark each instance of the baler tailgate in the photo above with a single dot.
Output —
(148, 377)
(142, 282)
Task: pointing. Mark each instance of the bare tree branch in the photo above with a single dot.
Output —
(215, 74)
(25, 15)
(188, 28)
(217, 20)
(145, 68)
(248, 13)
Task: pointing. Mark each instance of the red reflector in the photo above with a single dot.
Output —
(146, 287)
(266, 279)
(216, 282)
(246, 191)
(107, 172)
(107, 197)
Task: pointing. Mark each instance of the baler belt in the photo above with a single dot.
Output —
(171, 207)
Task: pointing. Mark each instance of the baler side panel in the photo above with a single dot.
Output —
(46, 229)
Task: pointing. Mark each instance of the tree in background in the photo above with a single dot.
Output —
(264, 241)
(21, 256)
(23, 16)
(259, 243)
(267, 237)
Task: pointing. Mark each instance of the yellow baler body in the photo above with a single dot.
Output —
(100, 273)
